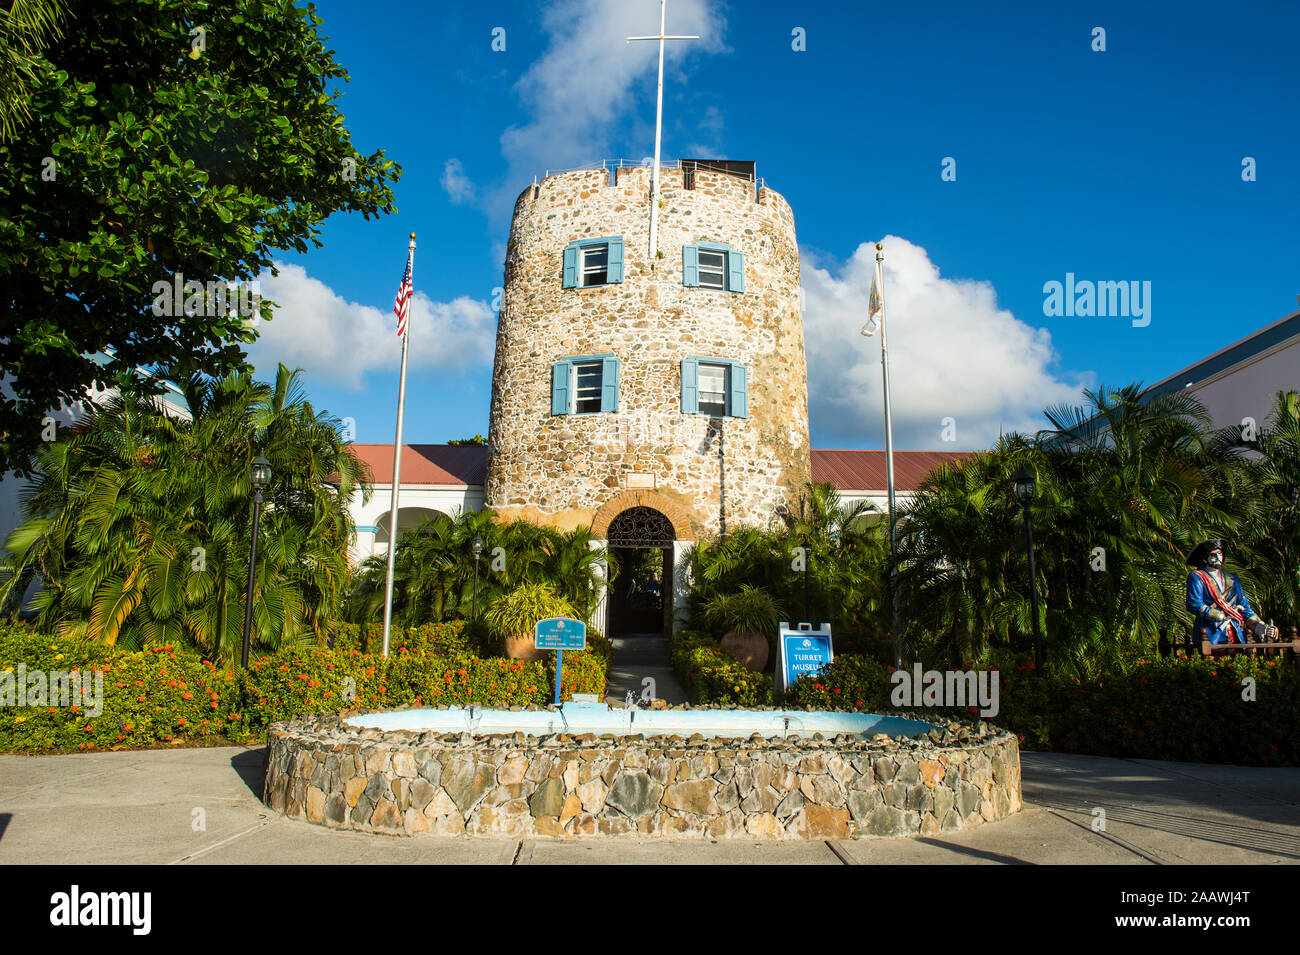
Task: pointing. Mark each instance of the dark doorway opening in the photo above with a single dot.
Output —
(640, 593)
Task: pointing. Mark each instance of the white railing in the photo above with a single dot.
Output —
(609, 164)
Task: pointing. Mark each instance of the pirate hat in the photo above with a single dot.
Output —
(1202, 550)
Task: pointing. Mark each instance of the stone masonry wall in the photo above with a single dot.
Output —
(573, 787)
(559, 469)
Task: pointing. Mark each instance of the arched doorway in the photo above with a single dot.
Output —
(640, 539)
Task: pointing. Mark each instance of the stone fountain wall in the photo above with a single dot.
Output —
(583, 786)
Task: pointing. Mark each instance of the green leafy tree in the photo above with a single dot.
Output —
(139, 522)
(167, 138)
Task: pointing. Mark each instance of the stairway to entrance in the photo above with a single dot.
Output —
(637, 656)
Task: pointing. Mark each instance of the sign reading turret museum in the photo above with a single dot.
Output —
(801, 651)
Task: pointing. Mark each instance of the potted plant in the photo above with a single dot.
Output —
(748, 617)
(513, 617)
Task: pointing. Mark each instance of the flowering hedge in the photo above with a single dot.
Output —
(169, 695)
(160, 695)
(452, 637)
(710, 674)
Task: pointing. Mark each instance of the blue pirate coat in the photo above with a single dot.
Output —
(1200, 603)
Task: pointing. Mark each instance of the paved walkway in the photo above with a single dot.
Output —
(145, 807)
(637, 656)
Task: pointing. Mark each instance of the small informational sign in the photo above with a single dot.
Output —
(561, 633)
(801, 651)
(639, 479)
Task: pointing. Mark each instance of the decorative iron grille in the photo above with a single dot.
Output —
(640, 527)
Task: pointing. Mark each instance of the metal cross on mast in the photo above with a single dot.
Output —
(659, 123)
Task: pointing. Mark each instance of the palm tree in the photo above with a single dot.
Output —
(1138, 479)
(27, 27)
(138, 522)
(433, 569)
(1270, 543)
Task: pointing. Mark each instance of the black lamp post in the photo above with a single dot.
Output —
(807, 554)
(478, 549)
(1026, 491)
(259, 473)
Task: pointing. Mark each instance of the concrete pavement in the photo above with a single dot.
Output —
(637, 656)
(146, 807)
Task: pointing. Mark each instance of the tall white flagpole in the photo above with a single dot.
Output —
(659, 123)
(889, 462)
(397, 460)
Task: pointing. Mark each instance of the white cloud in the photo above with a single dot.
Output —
(578, 91)
(340, 341)
(456, 184)
(953, 353)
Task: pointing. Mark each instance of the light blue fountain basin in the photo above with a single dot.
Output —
(598, 718)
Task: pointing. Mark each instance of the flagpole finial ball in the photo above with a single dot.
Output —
(879, 247)
(412, 235)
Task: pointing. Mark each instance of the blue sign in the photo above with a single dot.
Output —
(802, 652)
(561, 633)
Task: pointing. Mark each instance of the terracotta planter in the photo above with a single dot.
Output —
(749, 648)
(523, 646)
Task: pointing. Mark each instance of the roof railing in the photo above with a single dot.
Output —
(611, 165)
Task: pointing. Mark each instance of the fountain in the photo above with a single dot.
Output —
(590, 770)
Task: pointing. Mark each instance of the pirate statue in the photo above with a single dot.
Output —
(1217, 600)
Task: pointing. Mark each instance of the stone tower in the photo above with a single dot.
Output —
(672, 391)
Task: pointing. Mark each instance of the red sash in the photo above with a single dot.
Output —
(1223, 605)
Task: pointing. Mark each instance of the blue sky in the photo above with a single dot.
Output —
(1116, 165)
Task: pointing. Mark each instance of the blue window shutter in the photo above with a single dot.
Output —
(615, 266)
(690, 265)
(739, 392)
(735, 271)
(560, 388)
(571, 267)
(690, 386)
(609, 385)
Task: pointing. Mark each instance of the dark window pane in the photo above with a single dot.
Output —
(713, 267)
(713, 389)
(589, 387)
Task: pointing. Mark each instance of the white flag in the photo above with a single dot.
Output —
(876, 307)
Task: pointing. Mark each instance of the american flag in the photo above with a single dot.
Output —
(402, 306)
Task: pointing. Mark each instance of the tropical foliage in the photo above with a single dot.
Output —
(434, 569)
(846, 574)
(138, 524)
(1126, 488)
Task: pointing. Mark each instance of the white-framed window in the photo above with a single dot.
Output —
(592, 262)
(584, 384)
(713, 388)
(713, 265)
(595, 265)
(587, 377)
(713, 269)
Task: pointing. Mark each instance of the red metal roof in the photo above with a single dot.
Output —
(865, 470)
(467, 464)
(427, 463)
